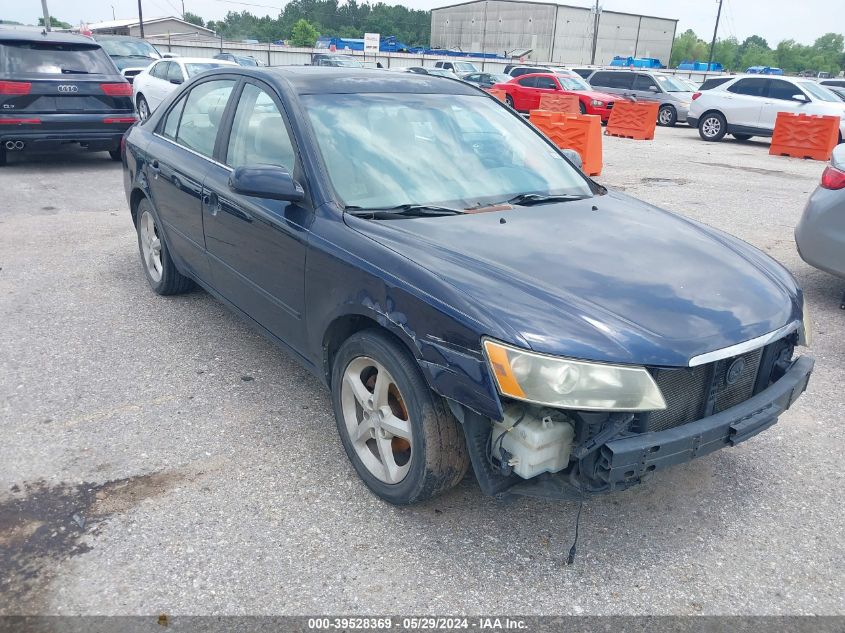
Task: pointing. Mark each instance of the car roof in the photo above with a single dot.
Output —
(197, 60)
(21, 35)
(332, 80)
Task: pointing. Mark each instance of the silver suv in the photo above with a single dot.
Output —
(674, 96)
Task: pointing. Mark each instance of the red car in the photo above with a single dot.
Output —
(523, 93)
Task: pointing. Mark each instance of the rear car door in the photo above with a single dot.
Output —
(257, 246)
(645, 88)
(185, 143)
(613, 81)
(521, 92)
(779, 98)
(157, 87)
(743, 101)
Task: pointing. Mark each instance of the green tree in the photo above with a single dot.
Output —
(726, 52)
(688, 46)
(827, 52)
(54, 23)
(193, 18)
(756, 55)
(304, 34)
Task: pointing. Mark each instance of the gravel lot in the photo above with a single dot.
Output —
(159, 456)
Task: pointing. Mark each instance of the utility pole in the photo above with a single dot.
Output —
(183, 9)
(141, 18)
(595, 34)
(713, 42)
(46, 15)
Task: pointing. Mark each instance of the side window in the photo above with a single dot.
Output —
(202, 114)
(521, 71)
(752, 87)
(528, 82)
(171, 123)
(783, 90)
(259, 135)
(613, 79)
(546, 83)
(174, 73)
(644, 82)
(155, 71)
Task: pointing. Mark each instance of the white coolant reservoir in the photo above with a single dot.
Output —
(538, 444)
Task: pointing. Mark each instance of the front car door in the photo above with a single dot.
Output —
(645, 88)
(745, 100)
(185, 141)
(779, 98)
(546, 85)
(256, 246)
(159, 86)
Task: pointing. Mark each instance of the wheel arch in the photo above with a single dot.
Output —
(134, 201)
(712, 111)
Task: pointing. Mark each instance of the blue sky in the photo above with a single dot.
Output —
(775, 20)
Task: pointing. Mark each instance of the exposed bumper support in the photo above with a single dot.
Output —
(625, 461)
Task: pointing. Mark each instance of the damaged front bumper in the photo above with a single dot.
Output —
(624, 461)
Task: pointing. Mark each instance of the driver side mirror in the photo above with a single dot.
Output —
(176, 81)
(654, 88)
(266, 181)
(801, 98)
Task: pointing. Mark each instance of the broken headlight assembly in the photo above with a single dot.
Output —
(571, 384)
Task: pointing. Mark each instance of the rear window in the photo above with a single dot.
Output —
(52, 58)
(613, 79)
(197, 68)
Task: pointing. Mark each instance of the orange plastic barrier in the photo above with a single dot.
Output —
(560, 103)
(499, 94)
(804, 135)
(631, 119)
(581, 132)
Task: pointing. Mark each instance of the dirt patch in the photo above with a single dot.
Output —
(754, 170)
(42, 525)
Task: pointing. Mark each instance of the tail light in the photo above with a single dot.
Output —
(15, 87)
(120, 119)
(695, 95)
(19, 121)
(123, 89)
(833, 178)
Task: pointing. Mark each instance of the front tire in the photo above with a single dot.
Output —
(712, 127)
(582, 107)
(159, 268)
(143, 108)
(400, 437)
(667, 116)
(742, 137)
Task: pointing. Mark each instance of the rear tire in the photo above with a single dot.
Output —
(143, 108)
(742, 137)
(115, 154)
(509, 100)
(159, 268)
(667, 116)
(2, 156)
(399, 435)
(712, 127)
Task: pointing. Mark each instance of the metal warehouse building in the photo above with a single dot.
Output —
(554, 32)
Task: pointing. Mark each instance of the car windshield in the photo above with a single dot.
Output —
(195, 68)
(818, 92)
(460, 151)
(573, 83)
(53, 58)
(670, 84)
(129, 48)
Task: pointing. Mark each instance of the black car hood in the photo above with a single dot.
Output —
(622, 282)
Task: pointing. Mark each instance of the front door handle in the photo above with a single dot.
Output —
(211, 201)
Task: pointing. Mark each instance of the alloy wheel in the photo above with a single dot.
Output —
(711, 126)
(150, 246)
(377, 419)
(143, 109)
(665, 116)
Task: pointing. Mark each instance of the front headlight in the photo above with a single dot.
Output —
(598, 104)
(571, 384)
(805, 333)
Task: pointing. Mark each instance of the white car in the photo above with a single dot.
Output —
(748, 105)
(157, 81)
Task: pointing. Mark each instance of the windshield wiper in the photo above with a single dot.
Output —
(72, 71)
(528, 199)
(403, 210)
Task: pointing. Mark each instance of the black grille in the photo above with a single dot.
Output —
(693, 393)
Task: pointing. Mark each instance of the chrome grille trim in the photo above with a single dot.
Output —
(741, 348)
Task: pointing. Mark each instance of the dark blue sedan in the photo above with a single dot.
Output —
(466, 293)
